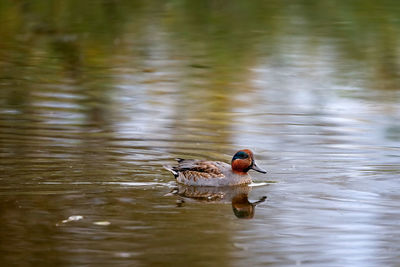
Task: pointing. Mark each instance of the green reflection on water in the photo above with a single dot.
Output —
(224, 38)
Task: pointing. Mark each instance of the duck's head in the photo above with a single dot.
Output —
(243, 161)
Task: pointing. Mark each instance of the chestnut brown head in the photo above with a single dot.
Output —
(243, 161)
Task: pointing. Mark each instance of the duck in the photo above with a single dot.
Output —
(216, 173)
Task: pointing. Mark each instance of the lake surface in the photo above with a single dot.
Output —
(96, 96)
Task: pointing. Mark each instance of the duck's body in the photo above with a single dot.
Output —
(207, 173)
(216, 173)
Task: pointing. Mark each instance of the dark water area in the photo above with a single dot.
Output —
(96, 96)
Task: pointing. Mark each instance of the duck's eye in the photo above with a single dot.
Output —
(241, 155)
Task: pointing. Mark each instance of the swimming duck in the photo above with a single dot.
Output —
(216, 173)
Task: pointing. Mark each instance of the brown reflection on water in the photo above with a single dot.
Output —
(236, 195)
(206, 193)
(243, 208)
(139, 233)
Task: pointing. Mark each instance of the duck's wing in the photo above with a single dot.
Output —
(199, 168)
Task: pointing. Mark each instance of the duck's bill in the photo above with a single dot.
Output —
(258, 169)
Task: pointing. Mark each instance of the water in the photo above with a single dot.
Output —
(94, 99)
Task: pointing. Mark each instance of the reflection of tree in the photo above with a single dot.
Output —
(56, 48)
(222, 39)
(230, 36)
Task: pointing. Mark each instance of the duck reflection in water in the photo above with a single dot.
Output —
(237, 195)
(243, 208)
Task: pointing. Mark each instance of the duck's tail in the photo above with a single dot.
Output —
(171, 169)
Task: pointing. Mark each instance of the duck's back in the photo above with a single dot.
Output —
(207, 173)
